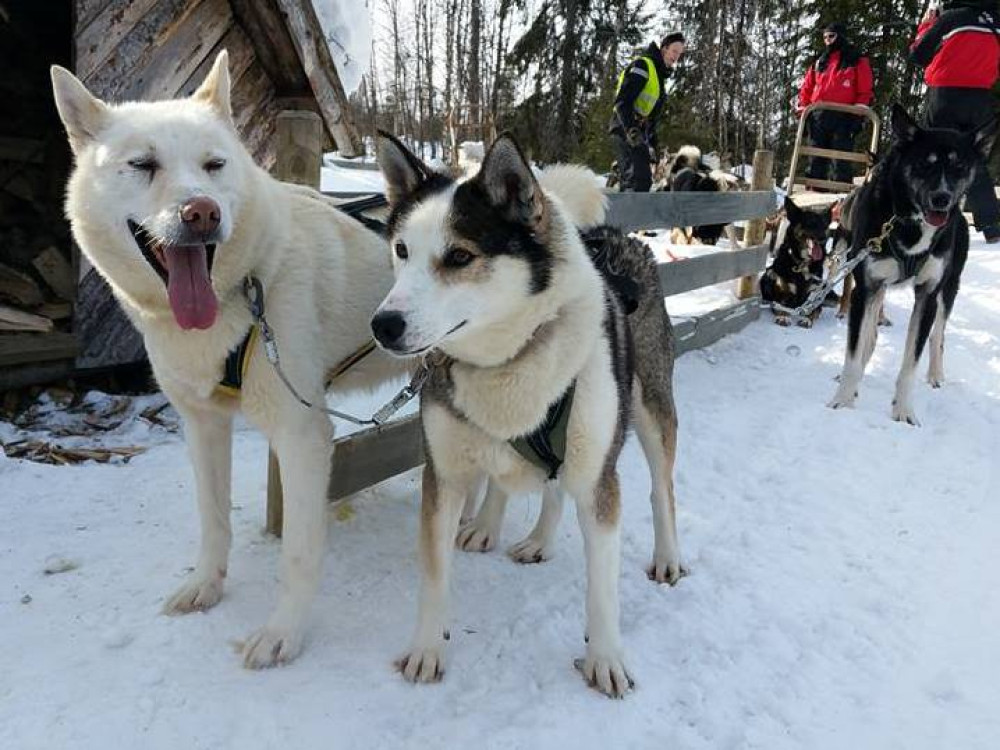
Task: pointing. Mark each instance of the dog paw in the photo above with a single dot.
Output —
(885, 322)
(198, 594)
(530, 550)
(783, 320)
(936, 379)
(904, 413)
(841, 402)
(841, 314)
(666, 572)
(475, 538)
(606, 673)
(422, 665)
(271, 647)
(805, 323)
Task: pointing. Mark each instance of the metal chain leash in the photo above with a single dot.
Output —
(254, 292)
(844, 269)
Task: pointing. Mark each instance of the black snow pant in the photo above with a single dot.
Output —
(837, 131)
(967, 110)
(633, 164)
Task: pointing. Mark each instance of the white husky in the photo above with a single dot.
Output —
(170, 208)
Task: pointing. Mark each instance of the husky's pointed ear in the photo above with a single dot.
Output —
(510, 184)
(403, 172)
(83, 114)
(904, 127)
(215, 89)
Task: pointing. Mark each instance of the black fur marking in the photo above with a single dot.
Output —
(927, 314)
(432, 184)
(475, 218)
(605, 245)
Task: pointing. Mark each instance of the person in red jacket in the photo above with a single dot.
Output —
(959, 48)
(841, 75)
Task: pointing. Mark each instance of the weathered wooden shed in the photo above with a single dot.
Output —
(122, 50)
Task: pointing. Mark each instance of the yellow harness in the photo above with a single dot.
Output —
(234, 370)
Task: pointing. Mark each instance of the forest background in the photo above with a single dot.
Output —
(439, 72)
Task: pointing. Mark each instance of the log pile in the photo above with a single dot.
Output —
(37, 276)
(37, 298)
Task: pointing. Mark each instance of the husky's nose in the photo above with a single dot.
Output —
(940, 200)
(201, 215)
(388, 327)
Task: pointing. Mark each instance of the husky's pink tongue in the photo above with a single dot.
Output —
(816, 250)
(936, 218)
(189, 288)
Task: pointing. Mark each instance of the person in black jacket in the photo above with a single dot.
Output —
(638, 104)
(960, 51)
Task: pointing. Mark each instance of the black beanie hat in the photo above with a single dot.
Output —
(673, 36)
(838, 28)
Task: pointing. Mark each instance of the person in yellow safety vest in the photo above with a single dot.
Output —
(638, 103)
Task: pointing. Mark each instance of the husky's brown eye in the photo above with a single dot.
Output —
(214, 165)
(457, 257)
(401, 252)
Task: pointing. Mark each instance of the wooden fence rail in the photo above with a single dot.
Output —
(631, 211)
(368, 457)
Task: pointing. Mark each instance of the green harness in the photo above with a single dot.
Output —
(546, 446)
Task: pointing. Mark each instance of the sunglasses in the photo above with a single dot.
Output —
(829, 35)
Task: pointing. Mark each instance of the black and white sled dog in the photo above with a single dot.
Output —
(689, 173)
(521, 330)
(799, 250)
(912, 203)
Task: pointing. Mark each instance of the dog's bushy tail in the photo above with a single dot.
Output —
(578, 190)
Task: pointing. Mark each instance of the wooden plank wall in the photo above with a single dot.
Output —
(159, 49)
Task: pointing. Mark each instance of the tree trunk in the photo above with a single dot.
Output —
(475, 73)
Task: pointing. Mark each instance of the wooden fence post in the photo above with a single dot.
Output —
(297, 156)
(298, 159)
(763, 179)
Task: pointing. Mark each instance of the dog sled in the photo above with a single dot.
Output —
(861, 157)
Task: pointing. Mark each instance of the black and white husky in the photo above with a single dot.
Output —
(494, 278)
(688, 173)
(912, 202)
(799, 249)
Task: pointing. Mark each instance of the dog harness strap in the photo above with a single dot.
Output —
(909, 265)
(254, 292)
(546, 446)
(348, 362)
(237, 361)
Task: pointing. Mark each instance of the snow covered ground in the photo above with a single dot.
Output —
(841, 593)
(334, 177)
